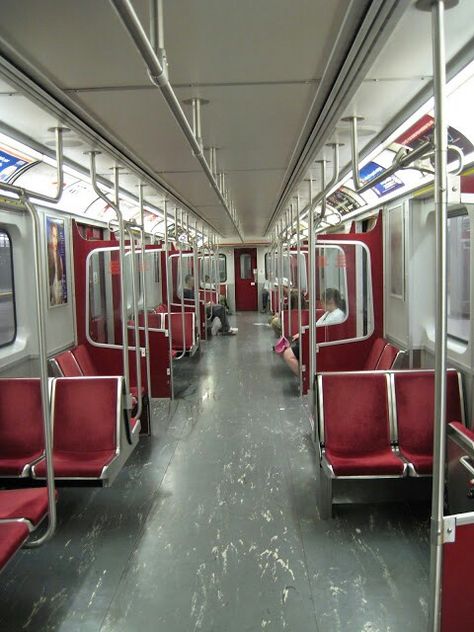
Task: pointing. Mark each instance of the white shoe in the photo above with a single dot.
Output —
(216, 326)
(230, 332)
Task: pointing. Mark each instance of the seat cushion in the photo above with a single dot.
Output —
(14, 466)
(12, 536)
(383, 463)
(31, 504)
(76, 464)
(423, 463)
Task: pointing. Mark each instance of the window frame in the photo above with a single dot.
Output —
(454, 214)
(12, 269)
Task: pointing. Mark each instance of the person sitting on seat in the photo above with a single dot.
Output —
(334, 306)
(215, 313)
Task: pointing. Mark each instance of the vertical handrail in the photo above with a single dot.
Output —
(144, 289)
(290, 283)
(43, 362)
(195, 248)
(115, 206)
(183, 326)
(136, 331)
(168, 294)
(439, 447)
(312, 295)
(298, 272)
(280, 270)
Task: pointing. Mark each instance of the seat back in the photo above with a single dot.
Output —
(178, 341)
(84, 360)
(294, 321)
(387, 358)
(86, 413)
(354, 413)
(68, 364)
(374, 354)
(414, 407)
(21, 417)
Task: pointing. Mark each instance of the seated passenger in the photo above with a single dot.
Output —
(293, 298)
(215, 313)
(335, 306)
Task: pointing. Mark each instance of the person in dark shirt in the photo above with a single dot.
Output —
(215, 313)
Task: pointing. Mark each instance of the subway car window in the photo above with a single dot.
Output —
(7, 292)
(459, 277)
(245, 266)
(208, 269)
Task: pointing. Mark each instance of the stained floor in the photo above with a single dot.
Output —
(213, 524)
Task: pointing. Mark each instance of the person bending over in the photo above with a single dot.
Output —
(334, 306)
(215, 313)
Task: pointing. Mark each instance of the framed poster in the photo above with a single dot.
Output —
(397, 254)
(56, 239)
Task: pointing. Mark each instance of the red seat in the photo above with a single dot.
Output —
(85, 362)
(414, 405)
(387, 358)
(68, 364)
(374, 354)
(181, 340)
(85, 436)
(31, 504)
(357, 436)
(12, 536)
(21, 425)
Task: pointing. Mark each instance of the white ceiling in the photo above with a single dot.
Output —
(257, 62)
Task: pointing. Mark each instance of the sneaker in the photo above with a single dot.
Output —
(230, 332)
(216, 326)
(281, 345)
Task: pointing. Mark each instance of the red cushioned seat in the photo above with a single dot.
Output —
(21, 424)
(355, 412)
(68, 364)
(77, 464)
(12, 536)
(85, 435)
(384, 463)
(387, 358)
(31, 504)
(414, 404)
(374, 354)
(84, 360)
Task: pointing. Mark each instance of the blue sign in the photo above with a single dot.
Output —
(371, 170)
(9, 165)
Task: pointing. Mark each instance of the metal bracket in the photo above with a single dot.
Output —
(427, 5)
(454, 189)
(449, 529)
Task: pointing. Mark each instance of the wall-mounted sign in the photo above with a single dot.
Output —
(371, 170)
(11, 163)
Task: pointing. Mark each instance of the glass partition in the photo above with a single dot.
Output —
(344, 292)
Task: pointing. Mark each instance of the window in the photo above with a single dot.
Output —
(208, 269)
(7, 292)
(459, 276)
(245, 266)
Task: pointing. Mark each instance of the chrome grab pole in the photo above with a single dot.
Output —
(115, 206)
(181, 284)
(40, 283)
(197, 314)
(158, 76)
(168, 293)
(144, 289)
(312, 294)
(439, 447)
(298, 271)
(138, 366)
(290, 280)
(280, 270)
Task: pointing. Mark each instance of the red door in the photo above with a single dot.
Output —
(245, 262)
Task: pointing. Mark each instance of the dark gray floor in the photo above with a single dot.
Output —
(213, 524)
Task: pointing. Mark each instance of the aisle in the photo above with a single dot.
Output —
(213, 525)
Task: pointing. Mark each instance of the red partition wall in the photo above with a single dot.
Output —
(457, 605)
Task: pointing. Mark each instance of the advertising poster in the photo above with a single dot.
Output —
(345, 200)
(10, 164)
(372, 170)
(56, 261)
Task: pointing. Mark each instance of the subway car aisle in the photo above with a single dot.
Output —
(213, 525)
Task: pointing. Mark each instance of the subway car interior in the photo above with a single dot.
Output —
(236, 371)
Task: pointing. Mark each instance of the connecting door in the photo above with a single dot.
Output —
(245, 266)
